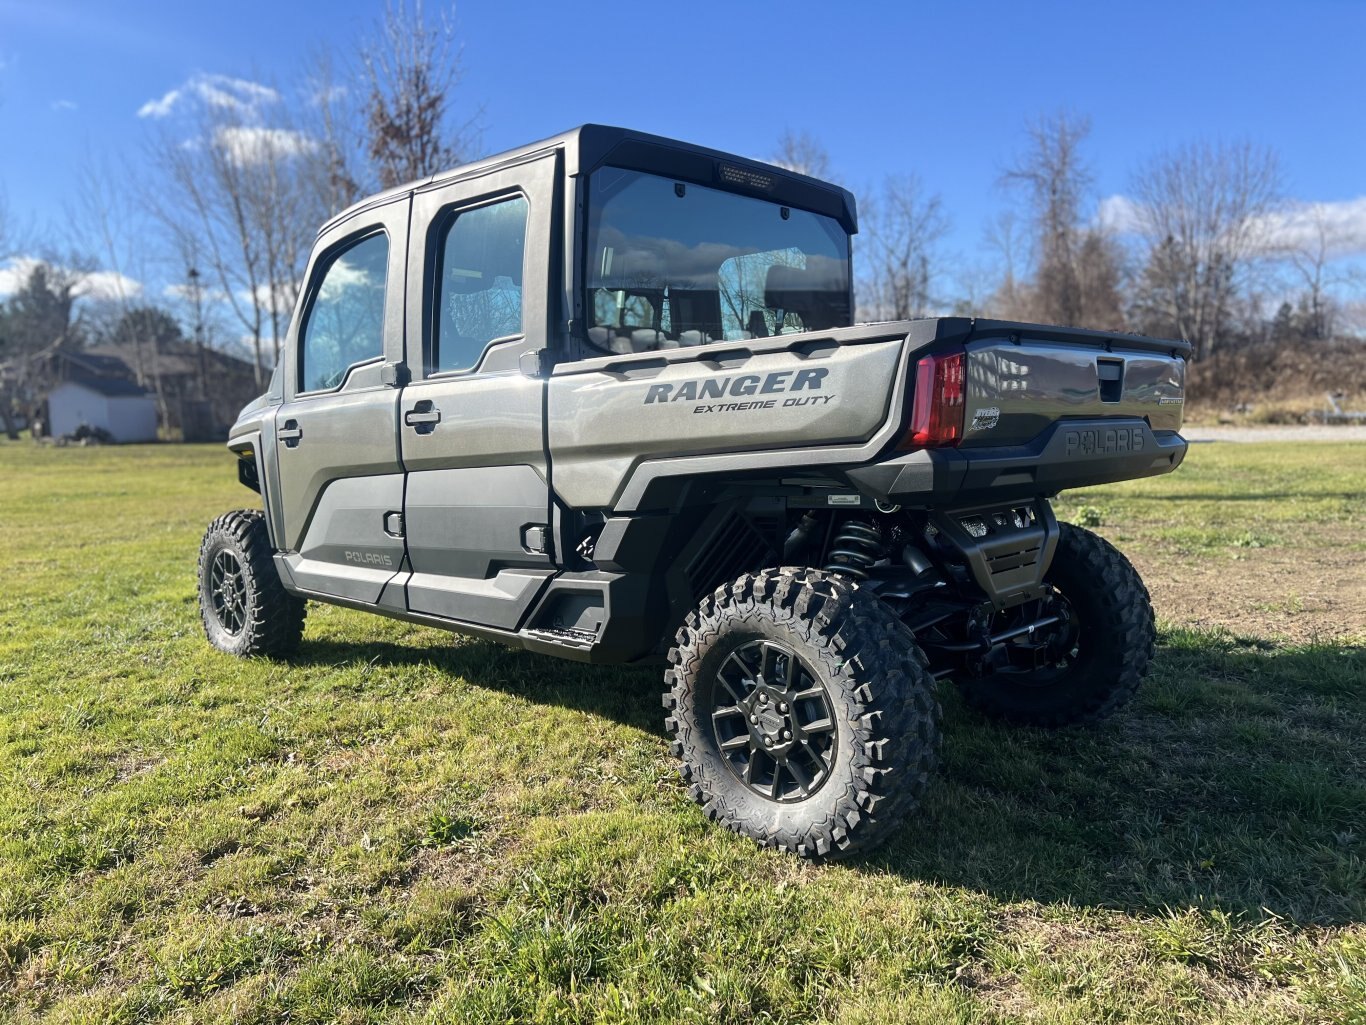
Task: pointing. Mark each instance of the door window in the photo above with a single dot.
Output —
(344, 325)
(479, 295)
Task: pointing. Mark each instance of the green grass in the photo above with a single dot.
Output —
(399, 825)
(1239, 496)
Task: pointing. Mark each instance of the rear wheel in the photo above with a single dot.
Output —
(1093, 659)
(800, 715)
(242, 603)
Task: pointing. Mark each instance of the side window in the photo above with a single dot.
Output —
(345, 324)
(479, 290)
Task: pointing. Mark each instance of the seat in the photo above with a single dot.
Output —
(808, 294)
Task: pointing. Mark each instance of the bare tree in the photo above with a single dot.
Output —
(412, 70)
(1068, 284)
(1204, 213)
(238, 194)
(337, 123)
(203, 206)
(801, 152)
(106, 218)
(902, 225)
(1315, 241)
(39, 319)
(1002, 234)
(286, 214)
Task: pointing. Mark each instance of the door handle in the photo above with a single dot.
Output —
(290, 433)
(423, 417)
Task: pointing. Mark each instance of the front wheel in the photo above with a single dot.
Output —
(242, 603)
(1093, 662)
(801, 716)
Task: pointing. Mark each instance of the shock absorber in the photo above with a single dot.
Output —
(856, 546)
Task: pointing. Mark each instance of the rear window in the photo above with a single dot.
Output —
(675, 264)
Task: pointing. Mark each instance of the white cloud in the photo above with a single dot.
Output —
(1342, 224)
(161, 107)
(327, 94)
(108, 284)
(95, 285)
(1119, 214)
(63, 105)
(1340, 227)
(223, 91)
(246, 146)
(13, 276)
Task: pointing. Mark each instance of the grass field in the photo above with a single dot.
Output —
(398, 825)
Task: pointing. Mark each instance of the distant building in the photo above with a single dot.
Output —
(196, 394)
(120, 407)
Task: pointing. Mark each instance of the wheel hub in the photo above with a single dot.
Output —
(773, 721)
(227, 591)
(770, 718)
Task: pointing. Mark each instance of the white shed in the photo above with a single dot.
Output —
(120, 407)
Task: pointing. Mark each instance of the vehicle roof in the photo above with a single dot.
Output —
(588, 145)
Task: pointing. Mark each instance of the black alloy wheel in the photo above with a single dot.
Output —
(228, 592)
(773, 721)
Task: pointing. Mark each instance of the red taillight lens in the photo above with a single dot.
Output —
(937, 410)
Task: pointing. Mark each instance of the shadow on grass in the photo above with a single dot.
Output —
(1235, 783)
(626, 695)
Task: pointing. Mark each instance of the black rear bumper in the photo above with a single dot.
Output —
(1069, 454)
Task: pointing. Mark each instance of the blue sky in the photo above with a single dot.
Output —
(938, 89)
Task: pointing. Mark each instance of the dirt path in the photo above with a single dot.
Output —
(1292, 432)
(1298, 594)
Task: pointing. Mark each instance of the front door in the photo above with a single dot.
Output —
(476, 511)
(336, 434)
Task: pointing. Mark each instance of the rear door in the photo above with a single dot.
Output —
(336, 434)
(471, 422)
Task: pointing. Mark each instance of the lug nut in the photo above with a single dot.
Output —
(753, 718)
(768, 742)
(763, 698)
(783, 707)
(787, 734)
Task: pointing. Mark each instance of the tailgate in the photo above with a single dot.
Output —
(1020, 384)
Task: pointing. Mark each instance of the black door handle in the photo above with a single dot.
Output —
(290, 433)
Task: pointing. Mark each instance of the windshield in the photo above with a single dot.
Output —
(673, 264)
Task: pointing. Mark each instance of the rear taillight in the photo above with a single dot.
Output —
(937, 409)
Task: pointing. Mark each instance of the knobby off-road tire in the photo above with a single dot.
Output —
(828, 673)
(244, 607)
(1114, 645)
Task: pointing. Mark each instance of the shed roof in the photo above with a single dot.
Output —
(95, 364)
(111, 387)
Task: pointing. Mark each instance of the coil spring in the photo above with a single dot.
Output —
(855, 547)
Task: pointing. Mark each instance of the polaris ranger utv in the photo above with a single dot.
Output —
(603, 398)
